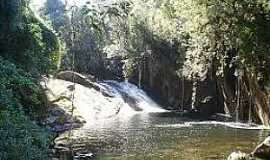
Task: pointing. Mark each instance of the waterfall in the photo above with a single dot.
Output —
(133, 96)
(107, 100)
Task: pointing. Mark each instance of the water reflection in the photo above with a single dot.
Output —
(164, 137)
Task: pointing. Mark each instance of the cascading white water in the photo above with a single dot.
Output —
(135, 97)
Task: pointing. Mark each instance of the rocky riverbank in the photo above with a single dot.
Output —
(261, 152)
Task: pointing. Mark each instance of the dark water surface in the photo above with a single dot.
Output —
(163, 136)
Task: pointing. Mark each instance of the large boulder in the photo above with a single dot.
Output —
(76, 78)
(87, 81)
(72, 108)
(263, 150)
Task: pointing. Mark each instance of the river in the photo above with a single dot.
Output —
(165, 136)
(141, 130)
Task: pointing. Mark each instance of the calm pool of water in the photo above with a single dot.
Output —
(164, 136)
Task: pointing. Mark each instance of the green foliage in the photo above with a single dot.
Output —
(25, 41)
(19, 136)
(222, 29)
(27, 50)
(203, 30)
(23, 87)
(84, 30)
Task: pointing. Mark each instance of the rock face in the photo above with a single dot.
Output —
(208, 93)
(157, 74)
(114, 68)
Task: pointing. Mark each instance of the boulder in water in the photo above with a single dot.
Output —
(263, 150)
(239, 156)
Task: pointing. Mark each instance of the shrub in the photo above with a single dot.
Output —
(23, 86)
(19, 98)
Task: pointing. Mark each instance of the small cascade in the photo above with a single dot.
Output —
(136, 98)
(111, 99)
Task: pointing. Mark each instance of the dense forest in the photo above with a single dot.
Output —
(204, 59)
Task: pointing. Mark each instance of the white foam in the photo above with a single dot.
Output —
(236, 125)
(174, 125)
(143, 101)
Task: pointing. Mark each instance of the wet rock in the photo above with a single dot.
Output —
(77, 78)
(59, 120)
(65, 155)
(263, 150)
(239, 156)
(87, 81)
